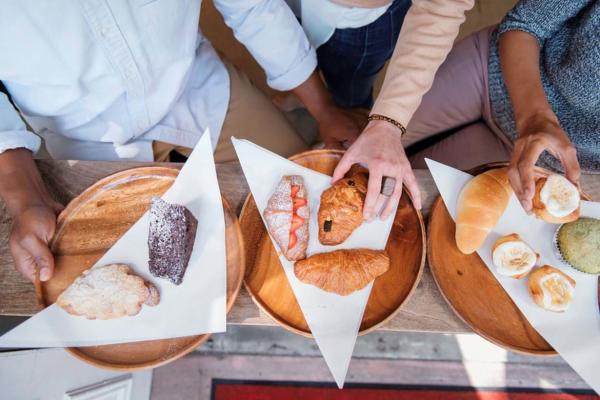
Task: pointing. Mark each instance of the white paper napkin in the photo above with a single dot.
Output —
(333, 320)
(194, 307)
(575, 334)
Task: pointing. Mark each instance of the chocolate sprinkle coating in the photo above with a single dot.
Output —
(170, 239)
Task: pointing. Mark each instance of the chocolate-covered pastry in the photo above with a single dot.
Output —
(340, 212)
(170, 240)
(342, 271)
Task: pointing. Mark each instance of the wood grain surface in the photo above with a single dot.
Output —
(268, 285)
(90, 225)
(425, 310)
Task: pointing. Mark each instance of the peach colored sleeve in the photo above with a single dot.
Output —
(427, 35)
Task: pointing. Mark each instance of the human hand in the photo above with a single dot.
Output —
(338, 129)
(380, 149)
(33, 228)
(538, 133)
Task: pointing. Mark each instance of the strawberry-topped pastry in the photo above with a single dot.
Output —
(287, 216)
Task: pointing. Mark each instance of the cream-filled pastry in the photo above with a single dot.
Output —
(551, 289)
(556, 199)
(513, 257)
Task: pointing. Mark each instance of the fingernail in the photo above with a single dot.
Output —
(44, 274)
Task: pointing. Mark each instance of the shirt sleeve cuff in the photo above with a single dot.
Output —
(297, 75)
(19, 139)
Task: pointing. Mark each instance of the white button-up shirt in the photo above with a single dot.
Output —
(102, 79)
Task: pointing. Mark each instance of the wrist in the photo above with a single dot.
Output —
(381, 125)
(533, 120)
(21, 186)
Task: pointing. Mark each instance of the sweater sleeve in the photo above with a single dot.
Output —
(541, 18)
(427, 35)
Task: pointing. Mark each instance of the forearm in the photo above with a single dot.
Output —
(428, 32)
(519, 59)
(21, 185)
(314, 96)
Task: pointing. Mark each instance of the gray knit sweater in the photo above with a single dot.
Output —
(569, 35)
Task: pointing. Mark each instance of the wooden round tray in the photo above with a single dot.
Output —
(266, 282)
(471, 289)
(88, 227)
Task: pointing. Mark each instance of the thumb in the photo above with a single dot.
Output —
(571, 165)
(342, 167)
(41, 255)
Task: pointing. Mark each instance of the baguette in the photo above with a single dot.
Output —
(481, 203)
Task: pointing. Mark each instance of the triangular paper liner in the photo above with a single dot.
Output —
(333, 320)
(575, 334)
(195, 307)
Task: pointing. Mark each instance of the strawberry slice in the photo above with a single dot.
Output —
(295, 190)
(293, 240)
(297, 222)
(299, 202)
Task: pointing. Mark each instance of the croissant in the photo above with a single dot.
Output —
(342, 271)
(340, 212)
(480, 205)
(287, 216)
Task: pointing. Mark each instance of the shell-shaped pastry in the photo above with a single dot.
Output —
(107, 292)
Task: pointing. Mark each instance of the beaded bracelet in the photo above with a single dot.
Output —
(397, 124)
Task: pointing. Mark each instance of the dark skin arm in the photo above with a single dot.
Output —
(33, 211)
(538, 127)
(336, 126)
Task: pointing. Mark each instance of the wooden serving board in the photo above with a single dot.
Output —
(471, 289)
(267, 283)
(89, 226)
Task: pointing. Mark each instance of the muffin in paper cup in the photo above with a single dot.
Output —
(577, 244)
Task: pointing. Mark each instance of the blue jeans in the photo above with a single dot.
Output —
(351, 59)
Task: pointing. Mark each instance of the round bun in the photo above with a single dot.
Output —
(513, 257)
(551, 289)
(559, 191)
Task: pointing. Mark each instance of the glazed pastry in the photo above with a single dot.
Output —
(578, 243)
(556, 200)
(287, 216)
(108, 292)
(341, 209)
(551, 289)
(481, 203)
(171, 239)
(342, 271)
(513, 257)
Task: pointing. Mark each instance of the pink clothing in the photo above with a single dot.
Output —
(459, 97)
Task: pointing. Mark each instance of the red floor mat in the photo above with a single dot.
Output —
(267, 390)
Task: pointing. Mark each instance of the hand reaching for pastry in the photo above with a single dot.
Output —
(540, 133)
(32, 231)
(380, 149)
(338, 129)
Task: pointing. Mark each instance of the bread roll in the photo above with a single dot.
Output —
(481, 203)
(556, 200)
